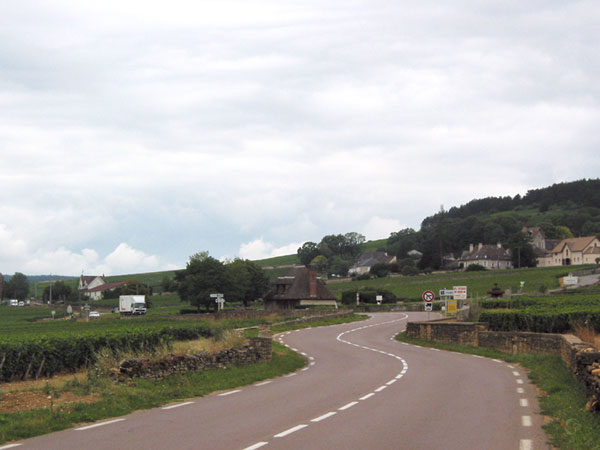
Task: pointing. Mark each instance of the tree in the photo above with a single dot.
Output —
(339, 266)
(168, 284)
(202, 276)
(380, 270)
(523, 254)
(401, 242)
(308, 252)
(248, 281)
(60, 291)
(320, 264)
(17, 287)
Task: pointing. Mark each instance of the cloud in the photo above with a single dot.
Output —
(259, 249)
(381, 228)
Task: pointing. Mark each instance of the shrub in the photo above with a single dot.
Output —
(380, 270)
(475, 268)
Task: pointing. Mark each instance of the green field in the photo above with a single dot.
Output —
(478, 283)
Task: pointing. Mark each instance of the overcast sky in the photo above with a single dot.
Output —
(134, 134)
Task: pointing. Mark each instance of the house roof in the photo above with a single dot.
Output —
(574, 244)
(297, 284)
(491, 252)
(370, 258)
(107, 286)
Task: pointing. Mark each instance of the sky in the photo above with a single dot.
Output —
(134, 134)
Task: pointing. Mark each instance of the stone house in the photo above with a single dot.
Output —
(573, 251)
(541, 246)
(367, 260)
(301, 287)
(489, 256)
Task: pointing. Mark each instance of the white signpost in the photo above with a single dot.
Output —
(460, 292)
(570, 280)
(219, 300)
(379, 299)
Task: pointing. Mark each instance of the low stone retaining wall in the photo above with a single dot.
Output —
(257, 350)
(258, 313)
(581, 358)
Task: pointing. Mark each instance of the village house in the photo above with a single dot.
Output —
(572, 251)
(369, 259)
(94, 286)
(300, 287)
(489, 256)
(541, 246)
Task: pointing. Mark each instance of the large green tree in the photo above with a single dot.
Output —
(17, 287)
(308, 252)
(202, 276)
(248, 281)
(523, 254)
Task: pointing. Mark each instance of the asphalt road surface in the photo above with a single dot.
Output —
(360, 390)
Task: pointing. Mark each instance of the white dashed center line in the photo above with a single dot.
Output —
(96, 425)
(290, 431)
(349, 405)
(323, 417)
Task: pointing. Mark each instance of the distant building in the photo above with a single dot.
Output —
(95, 286)
(583, 250)
(541, 246)
(489, 256)
(367, 260)
(300, 287)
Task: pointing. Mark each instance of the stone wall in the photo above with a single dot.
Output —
(256, 314)
(257, 350)
(581, 358)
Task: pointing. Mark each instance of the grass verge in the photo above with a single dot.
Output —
(563, 398)
(118, 400)
(319, 323)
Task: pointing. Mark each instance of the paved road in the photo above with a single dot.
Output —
(360, 390)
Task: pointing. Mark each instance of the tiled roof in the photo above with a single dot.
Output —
(491, 252)
(297, 287)
(107, 286)
(574, 244)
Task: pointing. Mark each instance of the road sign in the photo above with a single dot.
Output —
(570, 280)
(460, 292)
(379, 299)
(428, 307)
(216, 295)
(446, 292)
(428, 296)
(452, 306)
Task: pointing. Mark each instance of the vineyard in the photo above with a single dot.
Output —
(547, 314)
(30, 348)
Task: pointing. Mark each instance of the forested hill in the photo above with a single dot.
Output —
(561, 210)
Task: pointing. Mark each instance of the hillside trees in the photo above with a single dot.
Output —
(334, 254)
(240, 280)
(59, 291)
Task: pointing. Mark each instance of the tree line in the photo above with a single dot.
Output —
(334, 254)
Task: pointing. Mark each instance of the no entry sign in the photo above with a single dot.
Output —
(428, 296)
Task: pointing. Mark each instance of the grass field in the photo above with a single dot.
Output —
(478, 283)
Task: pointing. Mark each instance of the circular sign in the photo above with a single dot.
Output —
(428, 296)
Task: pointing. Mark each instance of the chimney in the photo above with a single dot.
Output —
(480, 246)
(470, 248)
(312, 283)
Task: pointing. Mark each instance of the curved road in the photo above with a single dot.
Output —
(360, 390)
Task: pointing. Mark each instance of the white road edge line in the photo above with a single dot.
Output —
(263, 383)
(364, 397)
(524, 402)
(520, 391)
(526, 421)
(380, 388)
(290, 431)
(10, 446)
(525, 444)
(515, 373)
(178, 405)
(323, 417)
(349, 405)
(519, 381)
(257, 445)
(88, 427)
(229, 393)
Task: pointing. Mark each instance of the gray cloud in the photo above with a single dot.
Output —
(133, 135)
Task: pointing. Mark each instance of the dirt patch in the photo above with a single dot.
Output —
(32, 394)
(17, 401)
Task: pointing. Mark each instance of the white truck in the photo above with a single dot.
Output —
(132, 304)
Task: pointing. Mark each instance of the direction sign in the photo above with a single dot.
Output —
(428, 296)
(446, 292)
(460, 292)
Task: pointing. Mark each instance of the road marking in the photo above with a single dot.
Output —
(290, 431)
(98, 425)
(511, 367)
(257, 445)
(526, 421)
(515, 373)
(9, 446)
(349, 405)
(324, 416)
(305, 369)
(524, 402)
(295, 349)
(391, 382)
(520, 391)
(312, 363)
(229, 393)
(291, 375)
(311, 358)
(380, 388)
(519, 381)
(263, 383)
(525, 444)
(178, 405)
(497, 360)
(367, 396)
(400, 375)
(303, 354)
(476, 356)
